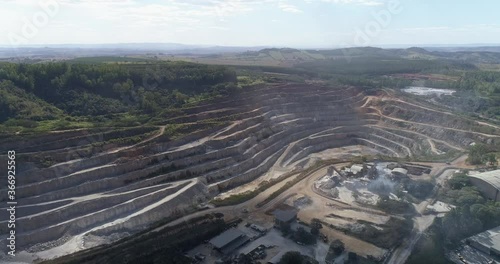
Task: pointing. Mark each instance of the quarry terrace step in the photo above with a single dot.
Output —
(128, 190)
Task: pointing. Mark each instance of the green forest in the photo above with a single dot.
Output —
(484, 85)
(95, 93)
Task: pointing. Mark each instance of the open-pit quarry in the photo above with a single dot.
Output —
(97, 192)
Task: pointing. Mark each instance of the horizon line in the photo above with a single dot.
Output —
(201, 46)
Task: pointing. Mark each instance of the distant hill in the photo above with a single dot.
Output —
(240, 55)
(288, 56)
(84, 50)
(466, 49)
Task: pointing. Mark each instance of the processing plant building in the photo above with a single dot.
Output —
(488, 183)
(229, 240)
(487, 242)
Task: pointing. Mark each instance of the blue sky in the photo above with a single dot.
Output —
(292, 23)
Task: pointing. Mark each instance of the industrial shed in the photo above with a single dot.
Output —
(488, 183)
(488, 242)
(229, 240)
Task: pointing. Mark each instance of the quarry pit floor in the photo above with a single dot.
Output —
(320, 207)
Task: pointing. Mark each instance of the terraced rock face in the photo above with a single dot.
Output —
(117, 188)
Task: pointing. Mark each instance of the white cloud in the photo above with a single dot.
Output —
(288, 7)
(356, 2)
